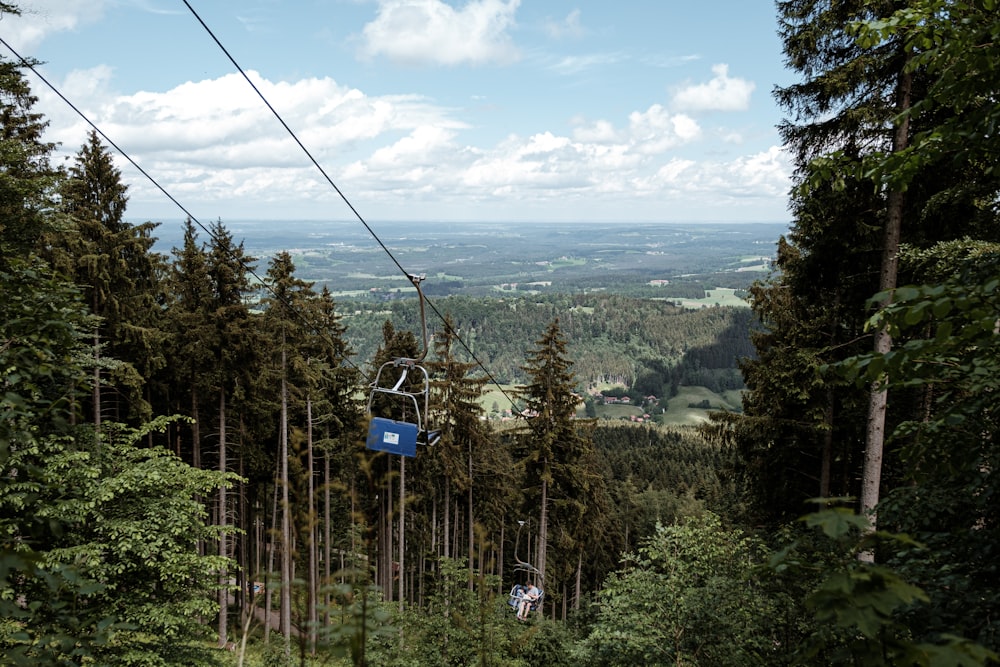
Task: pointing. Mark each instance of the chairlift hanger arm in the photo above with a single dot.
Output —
(416, 280)
(406, 361)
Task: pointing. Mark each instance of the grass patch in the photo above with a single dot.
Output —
(722, 296)
(685, 409)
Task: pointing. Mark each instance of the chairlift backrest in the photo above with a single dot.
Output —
(411, 402)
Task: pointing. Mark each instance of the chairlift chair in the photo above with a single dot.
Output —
(518, 590)
(411, 401)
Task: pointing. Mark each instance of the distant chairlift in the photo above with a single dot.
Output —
(519, 591)
(408, 400)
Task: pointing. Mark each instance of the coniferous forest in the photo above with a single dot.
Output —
(185, 477)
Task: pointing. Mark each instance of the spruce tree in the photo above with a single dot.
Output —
(113, 262)
(455, 404)
(42, 321)
(232, 344)
(552, 444)
(192, 329)
(283, 323)
(850, 107)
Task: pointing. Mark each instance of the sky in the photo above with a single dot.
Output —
(422, 110)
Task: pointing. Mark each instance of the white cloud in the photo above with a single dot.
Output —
(576, 64)
(214, 147)
(764, 175)
(655, 130)
(224, 118)
(650, 132)
(214, 140)
(569, 27)
(434, 32)
(598, 156)
(722, 93)
(667, 61)
(42, 18)
(599, 132)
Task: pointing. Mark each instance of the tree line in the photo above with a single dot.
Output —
(611, 338)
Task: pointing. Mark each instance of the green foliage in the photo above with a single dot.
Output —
(462, 625)
(27, 178)
(947, 349)
(860, 609)
(471, 625)
(132, 521)
(658, 476)
(46, 617)
(687, 596)
(361, 627)
(47, 606)
(956, 44)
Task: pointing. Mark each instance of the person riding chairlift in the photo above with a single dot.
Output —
(528, 599)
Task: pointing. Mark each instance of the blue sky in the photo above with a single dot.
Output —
(457, 110)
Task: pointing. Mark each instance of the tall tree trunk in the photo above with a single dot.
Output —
(311, 596)
(385, 545)
(195, 431)
(286, 524)
(826, 462)
(97, 379)
(502, 584)
(434, 527)
(402, 526)
(327, 549)
(579, 575)
(196, 450)
(543, 525)
(223, 545)
(446, 523)
(472, 531)
(878, 398)
(243, 541)
(272, 542)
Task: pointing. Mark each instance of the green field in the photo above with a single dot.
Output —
(676, 412)
(679, 411)
(714, 297)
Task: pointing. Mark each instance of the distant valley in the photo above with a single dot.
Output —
(635, 301)
(480, 259)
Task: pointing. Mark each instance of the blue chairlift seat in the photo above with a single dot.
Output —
(395, 437)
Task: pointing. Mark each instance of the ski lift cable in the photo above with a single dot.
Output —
(249, 269)
(339, 192)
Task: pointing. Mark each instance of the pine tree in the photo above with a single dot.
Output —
(192, 330)
(233, 345)
(455, 405)
(28, 180)
(283, 321)
(551, 442)
(121, 277)
(850, 107)
(42, 321)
